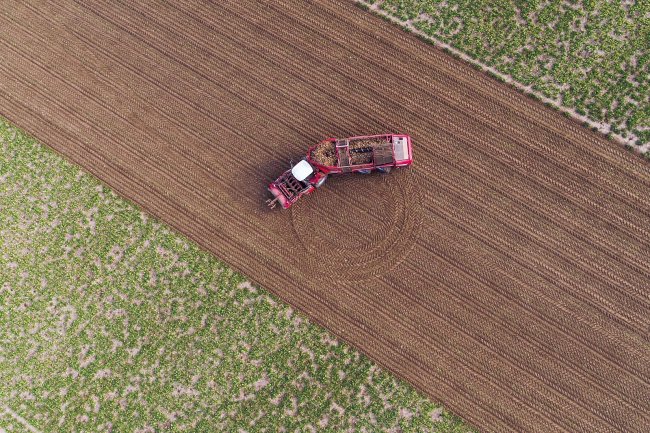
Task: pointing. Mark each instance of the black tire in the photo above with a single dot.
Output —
(385, 170)
(364, 171)
(321, 181)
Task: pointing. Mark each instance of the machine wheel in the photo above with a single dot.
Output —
(321, 181)
(364, 171)
(385, 169)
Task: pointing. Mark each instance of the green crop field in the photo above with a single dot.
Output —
(109, 321)
(592, 56)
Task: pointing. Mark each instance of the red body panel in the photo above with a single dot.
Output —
(286, 189)
(355, 168)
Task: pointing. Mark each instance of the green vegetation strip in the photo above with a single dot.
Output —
(591, 56)
(109, 321)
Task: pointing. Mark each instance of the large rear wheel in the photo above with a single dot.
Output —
(385, 169)
(321, 181)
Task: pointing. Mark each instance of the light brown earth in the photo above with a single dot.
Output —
(506, 274)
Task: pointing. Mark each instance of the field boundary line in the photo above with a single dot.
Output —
(602, 127)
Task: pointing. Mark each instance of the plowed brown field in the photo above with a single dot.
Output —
(506, 274)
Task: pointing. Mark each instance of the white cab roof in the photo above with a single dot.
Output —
(302, 170)
(401, 148)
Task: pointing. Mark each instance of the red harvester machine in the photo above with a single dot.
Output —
(361, 154)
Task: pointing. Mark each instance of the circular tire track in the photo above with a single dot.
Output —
(360, 226)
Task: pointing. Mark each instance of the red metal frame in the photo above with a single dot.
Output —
(355, 168)
(286, 197)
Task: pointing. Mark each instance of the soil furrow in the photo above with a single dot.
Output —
(552, 268)
(542, 227)
(482, 293)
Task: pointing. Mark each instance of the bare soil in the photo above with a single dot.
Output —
(505, 274)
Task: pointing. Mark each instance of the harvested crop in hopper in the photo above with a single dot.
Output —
(325, 153)
(361, 150)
